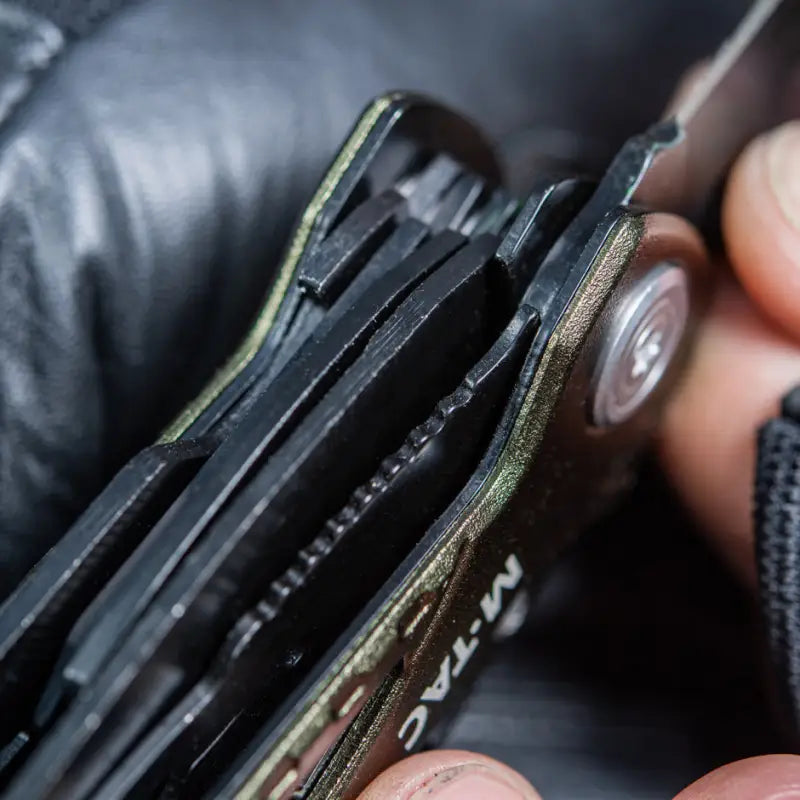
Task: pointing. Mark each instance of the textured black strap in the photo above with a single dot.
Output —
(777, 531)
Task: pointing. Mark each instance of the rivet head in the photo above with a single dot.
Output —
(644, 335)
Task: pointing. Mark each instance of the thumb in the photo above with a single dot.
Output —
(764, 778)
(748, 353)
(449, 775)
(458, 775)
(762, 224)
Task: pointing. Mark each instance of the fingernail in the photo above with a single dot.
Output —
(782, 152)
(469, 782)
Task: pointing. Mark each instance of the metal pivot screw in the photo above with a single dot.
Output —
(643, 337)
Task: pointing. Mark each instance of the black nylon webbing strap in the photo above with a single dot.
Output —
(777, 534)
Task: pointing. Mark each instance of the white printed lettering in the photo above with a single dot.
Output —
(440, 688)
(463, 653)
(492, 602)
(455, 662)
(418, 718)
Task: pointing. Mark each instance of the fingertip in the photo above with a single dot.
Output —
(449, 775)
(775, 777)
(761, 223)
(741, 367)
